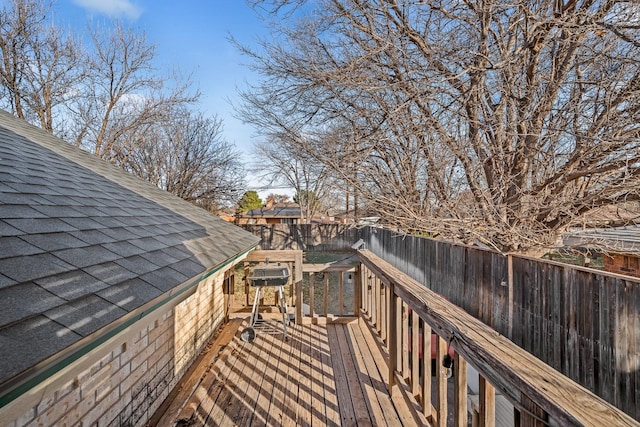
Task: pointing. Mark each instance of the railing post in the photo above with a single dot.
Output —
(369, 295)
(415, 353)
(246, 283)
(378, 309)
(487, 403)
(325, 302)
(383, 311)
(460, 391)
(426, 370)
(393, 337)
(405, 342)
(373, 315)
(401, 339)
(356, 292)
(340, 293)
(312, 279)
(441, 383)
(298, 285)
(364, 274)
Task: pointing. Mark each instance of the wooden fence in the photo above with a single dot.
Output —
(306, 237)
(582, 322)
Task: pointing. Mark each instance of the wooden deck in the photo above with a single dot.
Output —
(323, 375)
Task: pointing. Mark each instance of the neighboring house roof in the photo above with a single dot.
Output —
(83, 243)
(618, 239)
(276, 211)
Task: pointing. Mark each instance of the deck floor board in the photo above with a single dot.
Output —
(323, 375)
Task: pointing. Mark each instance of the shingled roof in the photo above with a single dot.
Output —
(83, 244)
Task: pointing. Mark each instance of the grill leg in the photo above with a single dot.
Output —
(254, 310)
(284, 310)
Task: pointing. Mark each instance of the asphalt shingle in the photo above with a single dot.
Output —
(20, 351)
(130, 294)
(86, 315)
(30, 267)
(14, 246)
(72, 284)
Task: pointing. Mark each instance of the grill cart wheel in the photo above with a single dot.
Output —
(248, 334)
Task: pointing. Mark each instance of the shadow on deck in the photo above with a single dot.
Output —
(322, 375)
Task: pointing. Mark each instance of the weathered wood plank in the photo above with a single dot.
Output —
(304, 397)
(281, 411)
(178, 404)
(356, 344)
(318, 405)
(332, 407)
(360, 409)
(373, 368)
(260, 385)
(292, 384)
(347, 414)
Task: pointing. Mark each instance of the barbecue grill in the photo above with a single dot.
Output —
(267, 275)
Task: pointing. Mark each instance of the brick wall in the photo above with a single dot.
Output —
(123, 381)
(622, 264)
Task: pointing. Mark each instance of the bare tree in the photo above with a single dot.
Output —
(494, 122)
(124, 96)
(282, 163)
(189, 157)
(39, 66)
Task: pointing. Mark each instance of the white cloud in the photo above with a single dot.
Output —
(111, 7)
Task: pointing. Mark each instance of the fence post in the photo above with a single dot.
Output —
(510, 284)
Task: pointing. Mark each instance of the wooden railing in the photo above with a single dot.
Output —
(303, 304)
(395, 306)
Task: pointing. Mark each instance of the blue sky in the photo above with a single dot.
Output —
(189, 34)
